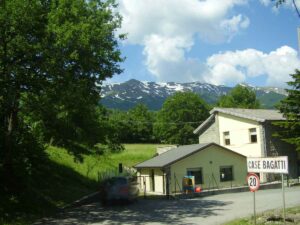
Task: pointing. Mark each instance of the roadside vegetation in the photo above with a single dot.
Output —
(65, 178)
(272, 217)
(54, 56)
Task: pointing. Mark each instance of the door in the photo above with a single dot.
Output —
(152, 181)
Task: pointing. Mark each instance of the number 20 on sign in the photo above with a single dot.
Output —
(253, 182)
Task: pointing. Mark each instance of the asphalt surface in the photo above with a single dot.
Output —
(216, 209)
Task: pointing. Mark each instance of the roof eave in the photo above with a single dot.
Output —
(202, 125)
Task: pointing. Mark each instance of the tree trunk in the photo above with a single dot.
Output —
(10, 125)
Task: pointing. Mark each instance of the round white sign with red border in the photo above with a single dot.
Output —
(253, 182)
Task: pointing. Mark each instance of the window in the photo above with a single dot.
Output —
(197, 173)
(253, 135)
(226, 138)
(226, 173)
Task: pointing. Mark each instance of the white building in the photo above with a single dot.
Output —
(249, 132)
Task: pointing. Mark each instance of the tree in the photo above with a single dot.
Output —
(54, 56)
(141, 122)
(239, 97)
(179, 117)
(133, 126)
(279, 2)
(290, 107)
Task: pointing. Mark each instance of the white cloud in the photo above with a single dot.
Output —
(168, 29)
(233, 67)
(224, 73)
(287, 4)
(174, 17)
(265, 2)
(233, 25)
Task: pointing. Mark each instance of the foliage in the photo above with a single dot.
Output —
(239, 97)
(133, 126)
(54, 56)
(141, 123)
(66, 180)
(280, 2)
(51, 186)
(290, 107)
(178, 118)
(269, 100)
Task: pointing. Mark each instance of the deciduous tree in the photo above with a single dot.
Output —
(179, 116)
(239, 97)
(54, 56)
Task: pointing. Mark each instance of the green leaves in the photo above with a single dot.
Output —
(290, 107)
(179, 116)
(239, 97)
(53, 57)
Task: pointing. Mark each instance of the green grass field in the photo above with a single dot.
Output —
(64, 179)
(92, 165)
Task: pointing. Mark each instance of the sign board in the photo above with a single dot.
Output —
(268, 165)
(253, 182)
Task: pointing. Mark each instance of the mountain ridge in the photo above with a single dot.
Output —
(126, 95)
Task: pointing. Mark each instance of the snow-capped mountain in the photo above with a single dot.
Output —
(126, 95)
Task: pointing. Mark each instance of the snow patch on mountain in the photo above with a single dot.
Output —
(154, 94)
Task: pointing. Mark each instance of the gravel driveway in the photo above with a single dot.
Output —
(210, 210)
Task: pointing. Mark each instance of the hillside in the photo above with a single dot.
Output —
(64, 178)
(126, 95)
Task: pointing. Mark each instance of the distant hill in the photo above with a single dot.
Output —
(126, 95)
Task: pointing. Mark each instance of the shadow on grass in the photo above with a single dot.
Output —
(50, 187)
(144, 211)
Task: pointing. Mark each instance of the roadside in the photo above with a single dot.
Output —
(271, 217)
(64, 178)
(211, 210)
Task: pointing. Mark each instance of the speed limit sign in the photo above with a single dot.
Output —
(253, 182)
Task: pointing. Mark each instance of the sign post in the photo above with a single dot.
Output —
(270, 165)
(283, 197)
(253, 183)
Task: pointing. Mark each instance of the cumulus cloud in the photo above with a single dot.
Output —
(230, 67)
(265, 2)
(287, 4)
(168, 29)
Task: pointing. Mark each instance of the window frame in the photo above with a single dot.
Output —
(232, 173)
(196, 169)
(253, 133)
(226, 137)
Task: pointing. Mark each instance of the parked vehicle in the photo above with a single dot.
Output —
(119, 189)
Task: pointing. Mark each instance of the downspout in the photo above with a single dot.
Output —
(263, 140)
(264, 176)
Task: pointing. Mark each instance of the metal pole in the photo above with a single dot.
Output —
(175, 182)
(283, 197)
(254, 208)
(144, 184)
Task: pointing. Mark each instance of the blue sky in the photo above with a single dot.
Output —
(223, 42)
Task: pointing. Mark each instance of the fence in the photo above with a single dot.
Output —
(172, 184)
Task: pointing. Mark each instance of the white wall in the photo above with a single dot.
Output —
(239, 135)
(145, 175)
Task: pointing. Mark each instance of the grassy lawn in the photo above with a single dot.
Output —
(92, 165)
(64, 178)
(271, 217)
